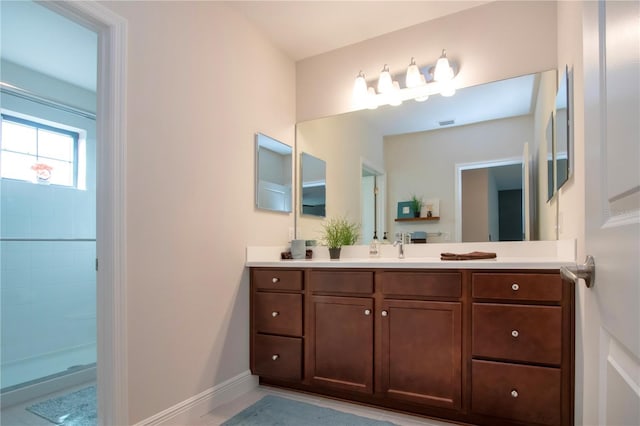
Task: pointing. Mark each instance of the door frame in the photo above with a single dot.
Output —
(111, 295)
(459, 168)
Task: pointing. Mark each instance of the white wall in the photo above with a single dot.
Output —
(491, 42)
(201, 81)
(543, 133)
(429, 169)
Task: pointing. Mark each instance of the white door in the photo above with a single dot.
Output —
(611, 308)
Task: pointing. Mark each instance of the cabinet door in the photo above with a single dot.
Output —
(342, 343)
(422, 352)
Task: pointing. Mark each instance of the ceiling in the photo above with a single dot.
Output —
(301, 29)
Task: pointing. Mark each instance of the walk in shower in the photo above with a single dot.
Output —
(47, 205)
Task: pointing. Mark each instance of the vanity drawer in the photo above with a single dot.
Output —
(278, 313)
(422, 284)
(352, 282)
(525, 287)
(517, 332)
(277, 279)
(277, 357)
(518, 392)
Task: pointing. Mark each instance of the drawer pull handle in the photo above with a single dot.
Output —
(385, 313)
(514, 393)
(515, 287)
(367, 311)
(515, 333)
(276, 356)
(275, 314)
(275, 280)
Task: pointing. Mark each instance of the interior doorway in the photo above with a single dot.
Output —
(489, 201)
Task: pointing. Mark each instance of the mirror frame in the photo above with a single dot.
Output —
(261, 140)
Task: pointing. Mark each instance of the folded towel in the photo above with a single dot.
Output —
(474, 255)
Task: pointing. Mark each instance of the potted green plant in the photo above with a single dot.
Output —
(339, 232)
(416, 205)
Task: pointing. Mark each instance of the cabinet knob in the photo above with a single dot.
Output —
(514, 393)
(385, 313)
(515, 333)
(276, 356)
(275, 280)
(275, 314)
(515, 287)
(367, 311)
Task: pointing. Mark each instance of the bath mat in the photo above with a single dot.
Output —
(274, 410)
(73, 409)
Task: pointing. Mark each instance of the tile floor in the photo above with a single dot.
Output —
(17, 415)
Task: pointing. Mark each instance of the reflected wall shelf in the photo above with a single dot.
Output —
(416, 219)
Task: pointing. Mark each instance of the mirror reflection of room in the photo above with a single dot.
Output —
(273, 174)
(313, 186)
(423, 148)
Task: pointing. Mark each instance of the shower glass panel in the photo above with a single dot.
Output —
(47, 245)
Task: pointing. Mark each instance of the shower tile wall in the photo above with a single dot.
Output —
(48, 308)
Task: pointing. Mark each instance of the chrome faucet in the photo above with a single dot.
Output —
(400, 244)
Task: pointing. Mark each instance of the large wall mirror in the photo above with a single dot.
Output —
(273, 174)
(313, 185)
(493, 135)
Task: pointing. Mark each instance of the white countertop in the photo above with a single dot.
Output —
(510, 255)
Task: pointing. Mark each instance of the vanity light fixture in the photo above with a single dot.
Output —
(417, 85)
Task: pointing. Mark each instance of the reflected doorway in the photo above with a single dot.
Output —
(490, 201)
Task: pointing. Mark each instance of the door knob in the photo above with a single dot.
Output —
(586, 271)
(385, 313)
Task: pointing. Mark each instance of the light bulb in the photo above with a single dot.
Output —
(413, 75)
(372, 101)
(443, 71)
(447, 88)
(394, 96)
(385, 84)
(360, 89)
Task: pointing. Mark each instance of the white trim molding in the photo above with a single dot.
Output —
(111, 203)
(190, 410)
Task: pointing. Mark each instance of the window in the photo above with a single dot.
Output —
(37, 152)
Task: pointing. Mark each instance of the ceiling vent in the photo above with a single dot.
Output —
(446, 122)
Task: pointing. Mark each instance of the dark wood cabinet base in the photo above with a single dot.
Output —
(488, 347)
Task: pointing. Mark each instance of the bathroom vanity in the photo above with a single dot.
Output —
(481, 342)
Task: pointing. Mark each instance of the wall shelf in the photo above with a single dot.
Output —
(416, 219)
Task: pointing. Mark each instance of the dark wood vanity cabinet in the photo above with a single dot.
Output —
(276, 324)
(472, 346)
(421, 337)
(522, 347)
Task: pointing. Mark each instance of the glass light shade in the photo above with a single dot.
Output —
(443, 71)
(372, 101)
(413, 75)
(360, 89)
(385, 83)
(447, 88)
(394, 95)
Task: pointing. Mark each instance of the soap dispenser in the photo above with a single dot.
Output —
(374, 247)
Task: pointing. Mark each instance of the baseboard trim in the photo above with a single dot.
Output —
(197, 406)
